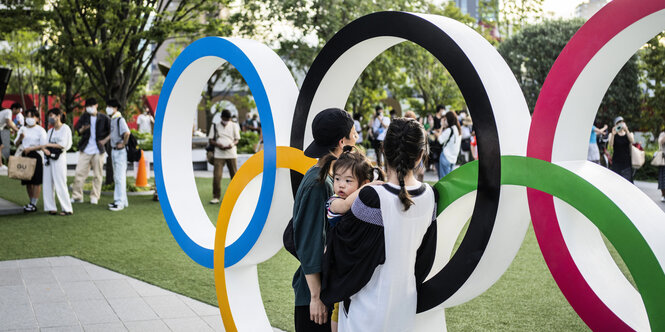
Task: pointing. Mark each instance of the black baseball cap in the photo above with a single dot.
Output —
(328, 127)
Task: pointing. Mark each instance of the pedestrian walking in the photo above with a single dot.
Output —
(119, 137)
(450, 140)
(224, 136)
(94, 128)
(661, 165)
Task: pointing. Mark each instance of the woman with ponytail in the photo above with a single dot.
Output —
(378, 254)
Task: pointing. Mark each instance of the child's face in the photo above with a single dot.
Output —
(345, 183)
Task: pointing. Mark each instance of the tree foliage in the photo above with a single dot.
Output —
(115, 41)
(406, 71)
(532, 52)
(652, 65)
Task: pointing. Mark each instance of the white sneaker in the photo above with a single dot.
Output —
(77, 200)
(662, 199)
(3, 168)
(93, 201)
(116, 207)
(214, 201)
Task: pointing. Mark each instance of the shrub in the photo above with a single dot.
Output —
(248, 141)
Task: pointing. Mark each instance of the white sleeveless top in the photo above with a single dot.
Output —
(388, 301)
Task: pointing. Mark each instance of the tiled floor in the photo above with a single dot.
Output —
(67, 294)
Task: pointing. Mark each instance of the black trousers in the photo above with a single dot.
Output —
(304, 324)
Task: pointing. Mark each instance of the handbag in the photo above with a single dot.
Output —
(636, 157)
(658, 158)
(210, 149)
(21, 168)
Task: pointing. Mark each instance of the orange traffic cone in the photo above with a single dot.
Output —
(142, 175)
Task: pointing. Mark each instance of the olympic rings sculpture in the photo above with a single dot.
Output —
(529, 168)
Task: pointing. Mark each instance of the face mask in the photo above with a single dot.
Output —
(90, 110)
(110, 110)
(51, 121)
(30, 122)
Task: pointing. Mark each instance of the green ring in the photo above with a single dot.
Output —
(588, 200)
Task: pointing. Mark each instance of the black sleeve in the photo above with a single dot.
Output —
(427, 250)
(425, 255)
(354, 249)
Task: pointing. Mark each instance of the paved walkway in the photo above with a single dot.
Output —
(68, 294)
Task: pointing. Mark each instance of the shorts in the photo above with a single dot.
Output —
(38, 176)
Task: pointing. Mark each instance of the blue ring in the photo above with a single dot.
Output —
(225, 49)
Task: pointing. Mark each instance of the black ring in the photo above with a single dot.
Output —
(427, 35)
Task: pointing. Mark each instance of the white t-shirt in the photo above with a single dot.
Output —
(62, 137)
(359, 130)
(466, 132)
(19, 120)
(144, 123)
(452, 147)
(32, 136)
(92, 148)
(5, 115)
(225, 136)
(379, 130)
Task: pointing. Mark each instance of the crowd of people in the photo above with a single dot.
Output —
(450, 138)
(99, 132)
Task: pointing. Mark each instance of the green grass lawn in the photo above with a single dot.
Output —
(138, 243)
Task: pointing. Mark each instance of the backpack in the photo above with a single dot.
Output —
(288, 240)
(133, 150)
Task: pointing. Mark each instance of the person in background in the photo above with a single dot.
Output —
(620, 140)
(380, 124)
(465, 147)
(19, 119)
(359, 128)
(6, 124)
(59, 140)
(119, 137)
(33, 138)
(94, 128)
(661, 169)
(593, 154)
(438, 116)
(450, 140)
(224, 136)
(145, 121)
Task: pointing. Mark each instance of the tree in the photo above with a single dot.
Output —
(532, 52)
(652, 67)
(115, 41)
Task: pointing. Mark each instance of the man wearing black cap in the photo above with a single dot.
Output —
(332, 130)
(94, 129)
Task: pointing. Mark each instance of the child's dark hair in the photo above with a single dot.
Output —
(404, 144)
(31, 112)
(351, 158)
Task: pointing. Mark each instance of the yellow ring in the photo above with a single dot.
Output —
(287, 157)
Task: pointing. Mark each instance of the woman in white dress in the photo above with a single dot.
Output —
(379, 254)
(32, 137)
(55, 164)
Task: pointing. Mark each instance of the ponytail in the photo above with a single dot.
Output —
(325, 169)
(403, 146)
